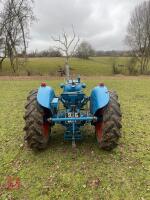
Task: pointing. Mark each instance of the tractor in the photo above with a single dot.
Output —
(101, 109)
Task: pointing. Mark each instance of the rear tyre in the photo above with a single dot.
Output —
(37, 129)
(108, 128)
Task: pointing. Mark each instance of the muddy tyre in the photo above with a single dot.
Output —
(108, 128)
(37, 129)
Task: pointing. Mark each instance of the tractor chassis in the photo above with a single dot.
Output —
(72, 127)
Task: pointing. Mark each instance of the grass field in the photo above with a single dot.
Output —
(58, 172)
(93, 66)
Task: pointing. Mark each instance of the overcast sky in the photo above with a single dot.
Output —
(101, 22)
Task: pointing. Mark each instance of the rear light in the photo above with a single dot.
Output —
(43, 84)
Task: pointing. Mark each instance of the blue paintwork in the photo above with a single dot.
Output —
(72, 125)
(74, 116)
(99, 98)
(58, 120)
(77, 99)
(54, 105)
(73, 99)
(45, 96)
(74, 88)
(73, 94)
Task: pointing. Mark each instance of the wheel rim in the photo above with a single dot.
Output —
(99, 133)
(46, 129)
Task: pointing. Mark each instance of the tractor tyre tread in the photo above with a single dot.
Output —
(33, 123)
(111, 124)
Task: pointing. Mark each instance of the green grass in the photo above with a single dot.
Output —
(58, 172)
(93, 66)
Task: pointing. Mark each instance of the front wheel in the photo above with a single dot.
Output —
(108, 128)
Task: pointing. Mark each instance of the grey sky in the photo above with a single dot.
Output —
(101, 22)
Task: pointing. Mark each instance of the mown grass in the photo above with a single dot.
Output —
(93, 66)
(60, 173)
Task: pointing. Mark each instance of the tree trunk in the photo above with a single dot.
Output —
(1, 63)
(1, 66)
(12, 64)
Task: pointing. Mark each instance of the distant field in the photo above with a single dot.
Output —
(60, 173)
(50, 66)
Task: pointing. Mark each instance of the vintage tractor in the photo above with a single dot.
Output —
(101, 109)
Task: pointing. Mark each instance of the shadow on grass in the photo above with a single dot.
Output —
(85, 147)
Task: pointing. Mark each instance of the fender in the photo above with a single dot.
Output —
(98, 99)
(45, 96)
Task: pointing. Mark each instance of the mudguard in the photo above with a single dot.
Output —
(45, 96)
(98, 99)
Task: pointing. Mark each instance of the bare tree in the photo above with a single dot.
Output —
(15, 19)
(67, 45)
(138, 34)
(85, 50)
(2, 45)
(3, 51)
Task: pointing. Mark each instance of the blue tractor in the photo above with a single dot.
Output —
(101, 109)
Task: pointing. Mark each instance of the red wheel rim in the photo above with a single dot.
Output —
(46, 126)
(99, 133)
